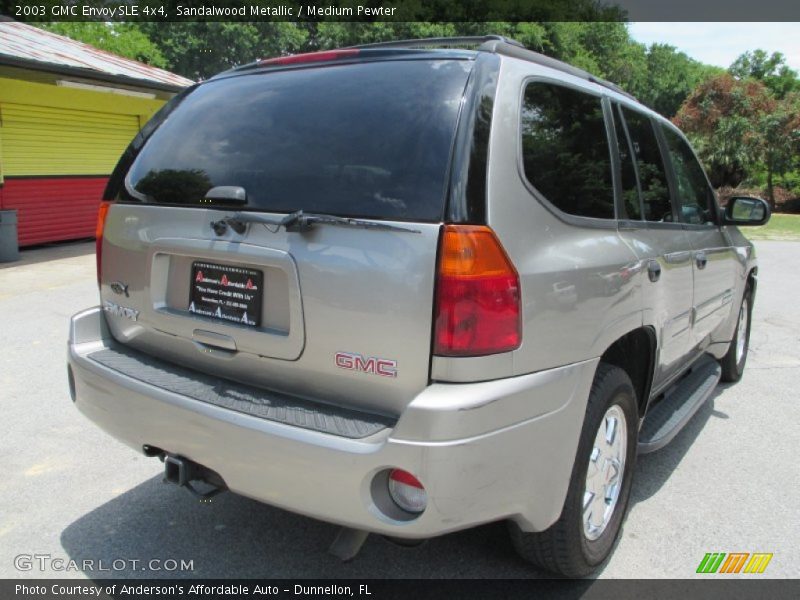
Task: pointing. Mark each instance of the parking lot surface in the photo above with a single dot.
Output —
(727, 483)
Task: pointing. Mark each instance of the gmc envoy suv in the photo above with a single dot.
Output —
(446, 281)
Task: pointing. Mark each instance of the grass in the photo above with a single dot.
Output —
(780, 227)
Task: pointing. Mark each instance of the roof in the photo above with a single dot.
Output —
(27, 46)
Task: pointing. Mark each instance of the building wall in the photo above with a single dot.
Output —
(58, 146)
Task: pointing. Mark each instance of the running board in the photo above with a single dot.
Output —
(664, 420)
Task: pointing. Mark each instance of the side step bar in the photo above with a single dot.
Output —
(664, 420)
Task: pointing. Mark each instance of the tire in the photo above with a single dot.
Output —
(735, 359)
(571, 547)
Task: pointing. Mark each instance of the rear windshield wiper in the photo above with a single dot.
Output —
(301, 221)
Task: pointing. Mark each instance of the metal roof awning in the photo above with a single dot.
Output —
(25, 46)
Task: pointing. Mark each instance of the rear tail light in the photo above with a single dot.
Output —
(407, 492)
(102, 213)
(308, 57)
(477, 295)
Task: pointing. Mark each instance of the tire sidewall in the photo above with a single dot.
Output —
(621, 394)
(741, 363)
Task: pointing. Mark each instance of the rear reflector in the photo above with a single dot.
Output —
(102, 213)
(407, 492)
(477, 295)
(310, 57)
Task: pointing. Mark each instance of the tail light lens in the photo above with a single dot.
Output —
(477, 295)
(102, 213)
(310, 57)
(407, 492)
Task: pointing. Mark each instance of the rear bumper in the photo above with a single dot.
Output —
(484, 451)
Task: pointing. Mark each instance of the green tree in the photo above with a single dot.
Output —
(739, 128)
(671, 77)
(123, 39)
(615, 56)
(604, 49)
(780, 139)
(771, 69)
(722, 116)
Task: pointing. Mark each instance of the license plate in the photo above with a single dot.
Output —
(226, 293)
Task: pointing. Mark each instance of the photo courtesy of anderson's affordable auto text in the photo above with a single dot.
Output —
(363, 300)
(197, 590)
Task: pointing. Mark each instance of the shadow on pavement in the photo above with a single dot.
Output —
(653, 470)
(234, 537)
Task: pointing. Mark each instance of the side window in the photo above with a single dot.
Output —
(696, 197)
(629, 180)
(650, 167)
(565, 150)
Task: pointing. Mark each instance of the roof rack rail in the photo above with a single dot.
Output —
(497, 44)
(470, 40)
(501, 45)
(518, 51)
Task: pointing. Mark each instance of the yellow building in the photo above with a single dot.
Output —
(67, 113)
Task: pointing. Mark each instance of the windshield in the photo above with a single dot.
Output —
(359, 140)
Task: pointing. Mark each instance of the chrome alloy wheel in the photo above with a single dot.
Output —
(741, 332)
(605, 472)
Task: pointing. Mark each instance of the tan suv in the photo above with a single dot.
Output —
(410, 290)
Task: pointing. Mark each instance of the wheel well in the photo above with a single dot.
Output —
(752, 280)
(635, 353)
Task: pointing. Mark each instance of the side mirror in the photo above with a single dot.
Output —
(746, 210)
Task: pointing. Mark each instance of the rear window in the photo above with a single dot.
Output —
(360, 140)
(565, 150)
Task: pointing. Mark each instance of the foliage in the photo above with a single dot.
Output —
(771, 69)
(720, 117)
(123, 39)
(174, 186)
(739, 127)
(780, 127)
(780, 139)
(671, 77)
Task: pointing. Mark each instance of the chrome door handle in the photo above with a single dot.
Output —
(701, 259)
(653, 270)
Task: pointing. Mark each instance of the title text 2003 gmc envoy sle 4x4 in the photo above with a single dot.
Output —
(447, 286)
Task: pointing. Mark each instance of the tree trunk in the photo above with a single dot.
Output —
(770, 190)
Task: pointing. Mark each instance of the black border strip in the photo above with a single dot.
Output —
(707, 587)
(441, 11)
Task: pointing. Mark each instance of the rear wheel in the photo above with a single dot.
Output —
(734, 360)
(600, 486)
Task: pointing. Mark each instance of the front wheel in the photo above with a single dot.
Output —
(734, 360)
(600, 486)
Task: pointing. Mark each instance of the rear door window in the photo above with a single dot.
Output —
(565, 151)
(629, 180)
(360, 140)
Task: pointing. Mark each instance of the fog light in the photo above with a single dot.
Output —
(407, 492)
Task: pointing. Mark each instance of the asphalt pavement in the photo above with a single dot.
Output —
(69, 492)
